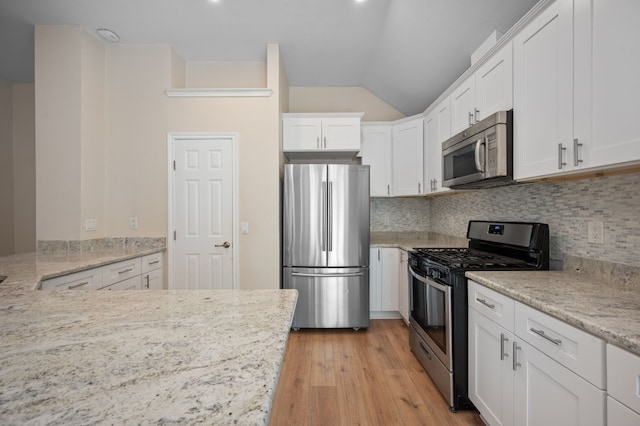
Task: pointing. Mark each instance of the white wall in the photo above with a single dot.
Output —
(6, 170)
(341, 99)
(24, 171)
(226, 74)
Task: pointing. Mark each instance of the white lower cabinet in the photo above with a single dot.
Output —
(623, 387)
(403, 286)
(133, 283)
(515, 380)
(138, 273)
(383, 282)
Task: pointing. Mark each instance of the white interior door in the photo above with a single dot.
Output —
(202, 207)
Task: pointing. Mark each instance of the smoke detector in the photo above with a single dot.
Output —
(108, 35)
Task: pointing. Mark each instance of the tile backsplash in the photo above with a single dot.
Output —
(566, 206)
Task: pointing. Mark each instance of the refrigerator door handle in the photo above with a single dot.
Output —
(330, 216)
(352, 274)
(323, 243)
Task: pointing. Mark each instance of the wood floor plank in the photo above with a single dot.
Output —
(369, 377)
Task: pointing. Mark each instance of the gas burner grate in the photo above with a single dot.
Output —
(469, 258)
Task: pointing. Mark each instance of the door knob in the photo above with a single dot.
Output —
(225, 244)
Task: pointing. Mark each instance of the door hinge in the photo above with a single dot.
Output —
(174, 235)
(174, 164)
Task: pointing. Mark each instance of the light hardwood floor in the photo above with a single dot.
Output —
(342, 377)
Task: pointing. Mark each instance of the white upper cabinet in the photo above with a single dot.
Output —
(575, 88)
(488, 90)
(437, 129)
(463, 101)
(494, 84)
(607, 66)
(543, 93)
(321, 133)
(376, 152)
(407, 158)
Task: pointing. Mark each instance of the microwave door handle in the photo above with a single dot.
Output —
(479, 164)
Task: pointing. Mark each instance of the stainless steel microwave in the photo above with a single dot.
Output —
(480, 156)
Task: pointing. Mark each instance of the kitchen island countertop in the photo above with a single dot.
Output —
(131, 357)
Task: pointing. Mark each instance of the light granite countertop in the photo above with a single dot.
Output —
(135, 357)
(410, 240)
(609, 310)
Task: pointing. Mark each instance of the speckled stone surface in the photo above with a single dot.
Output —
(135, 357)
(410, 240)
(586, 300)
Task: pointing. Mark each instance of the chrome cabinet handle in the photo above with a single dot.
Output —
(124, 271)
(516, 364)
(226, 244)
(154, 262)
(485, 303)
(502, 341)
(419, 188)
(318, 142)
(560, 162)
(147, 277)
(477, 115)
(470, 118)
(71, 287)
(388, 189)
(541, 333)
(576, 153)
(325, 142)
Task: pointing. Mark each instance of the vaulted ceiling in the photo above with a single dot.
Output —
(406, 52)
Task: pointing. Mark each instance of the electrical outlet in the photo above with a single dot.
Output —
(595, 232)
(90, 225)
(133, 223)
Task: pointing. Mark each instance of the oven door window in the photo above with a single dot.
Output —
(429, 311)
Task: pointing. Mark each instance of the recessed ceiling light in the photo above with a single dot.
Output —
(108, 35)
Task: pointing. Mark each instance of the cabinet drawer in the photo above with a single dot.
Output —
(577, 350)
(623, 377)
(151, 262)
(495, 306)
(90, 279)
(120, 271)
(133, 283)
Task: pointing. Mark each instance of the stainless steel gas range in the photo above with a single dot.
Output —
(438, 295)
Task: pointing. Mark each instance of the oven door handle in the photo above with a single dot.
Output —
(428, 281)
(480, 165)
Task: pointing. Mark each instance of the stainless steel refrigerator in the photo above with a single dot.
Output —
(326, 244)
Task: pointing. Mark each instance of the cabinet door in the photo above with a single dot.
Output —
(133, 283)
(618, 414)
(403, 286)
(341, 134)
(407, 154)
(433, 150)
(375, 271)
(546, 393)
(121, 271)
(606, 80)
(543, 93)
(301, 133)
(376, 152)
(389, 281)
(463, 101)
(153, 280)
(490, 369)
(151, 262)
(494, 84)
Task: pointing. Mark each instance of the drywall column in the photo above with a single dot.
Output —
(69, 116)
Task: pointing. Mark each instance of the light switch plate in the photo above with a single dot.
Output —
(244, 228)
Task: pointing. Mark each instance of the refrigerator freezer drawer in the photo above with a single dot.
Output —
(329, 297)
